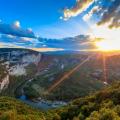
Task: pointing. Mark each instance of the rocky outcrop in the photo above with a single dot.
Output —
(4, 83)
(31, 58)
(17, 70)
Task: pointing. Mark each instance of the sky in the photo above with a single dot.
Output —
(43, 16)
(24, 23)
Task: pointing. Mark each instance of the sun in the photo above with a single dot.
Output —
(108, 45)
(106, 39)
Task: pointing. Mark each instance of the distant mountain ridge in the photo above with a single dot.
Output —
(16, 49)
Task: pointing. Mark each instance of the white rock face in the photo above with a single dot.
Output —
(31, 58)
(15, 63)
(4, 83)
(17, 70)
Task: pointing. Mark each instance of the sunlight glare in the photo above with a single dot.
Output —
(108, 45)
(110, 40)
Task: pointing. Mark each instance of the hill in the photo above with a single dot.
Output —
(12, 109)
(103, 105)
(87, 79)
(32, 74)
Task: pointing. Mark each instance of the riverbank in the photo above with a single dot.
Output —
(40, 103)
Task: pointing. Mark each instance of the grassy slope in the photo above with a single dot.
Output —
(104, 105)
(12, 109)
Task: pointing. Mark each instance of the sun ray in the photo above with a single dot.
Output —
(58, 82)
(104, 69)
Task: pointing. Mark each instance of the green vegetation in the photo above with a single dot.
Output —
(11, 109)
(3, 71)
(18, 82)
(31, 70)
(79, 84)
(86, 80)
(14, 86)
(103, 105)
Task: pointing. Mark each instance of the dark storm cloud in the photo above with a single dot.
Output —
(15, 30)
(111, 14)
(80, 42)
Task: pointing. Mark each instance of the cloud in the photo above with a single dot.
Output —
(11, 38)
(9, 45)
(108, 11)
(77, 43)
(71, 43)
(81, 6)
(87, 16)
(16, 24)
(47, 49)
(16, 30)
(18, 41)
(111, 14)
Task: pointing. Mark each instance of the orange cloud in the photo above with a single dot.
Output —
(47, 49)
(81, 6)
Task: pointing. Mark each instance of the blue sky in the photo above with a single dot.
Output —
(43, 16)
(22, 21)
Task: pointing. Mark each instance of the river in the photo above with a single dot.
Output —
(42, 104)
